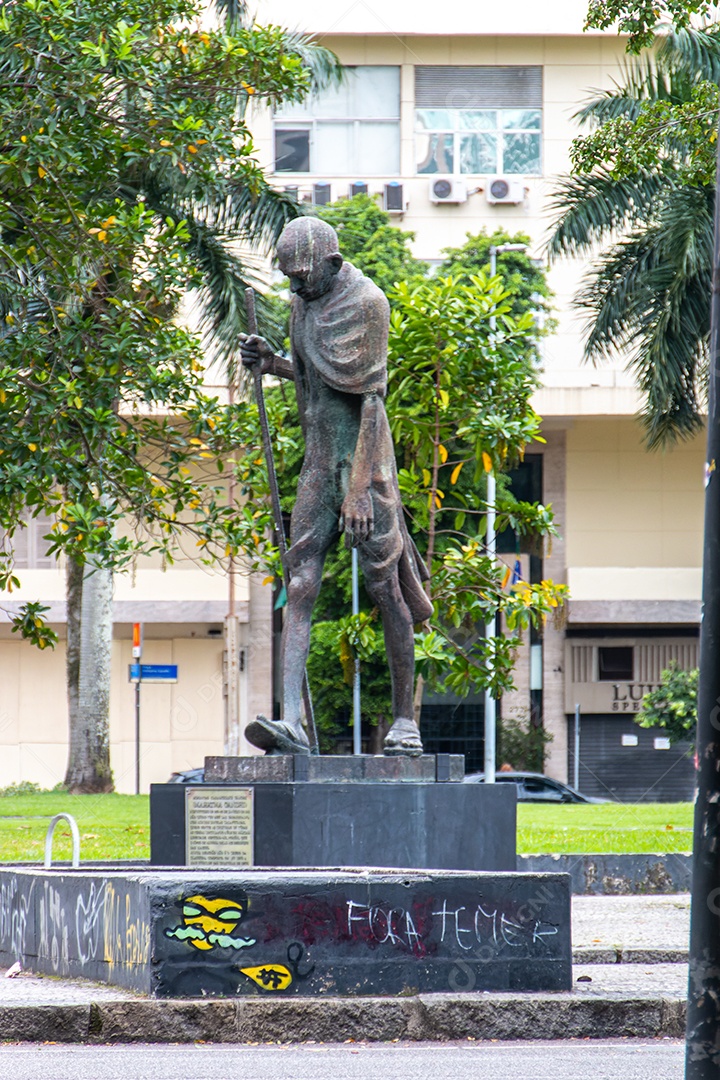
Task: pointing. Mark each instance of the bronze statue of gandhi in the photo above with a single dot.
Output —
(348, 482)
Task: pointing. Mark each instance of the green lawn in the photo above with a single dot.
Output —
(612, 827)
(117, 827)
(111, 826)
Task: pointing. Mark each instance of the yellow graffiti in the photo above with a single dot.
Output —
(126, 939)
(209, 923)
(269, 976)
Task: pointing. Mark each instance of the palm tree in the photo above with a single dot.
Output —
(650, 232)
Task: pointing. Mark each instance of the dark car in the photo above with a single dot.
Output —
(534, 787)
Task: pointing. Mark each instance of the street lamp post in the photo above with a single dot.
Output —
(491, 548)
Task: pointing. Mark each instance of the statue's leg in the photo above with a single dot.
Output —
(303, 591)
(287, 736)
(313, 529)
(404, 735)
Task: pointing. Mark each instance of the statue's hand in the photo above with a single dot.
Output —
(255, 350)
(356, 517)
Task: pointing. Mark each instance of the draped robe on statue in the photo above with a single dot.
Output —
(339, 355)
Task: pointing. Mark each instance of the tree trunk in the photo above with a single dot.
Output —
(89, 651)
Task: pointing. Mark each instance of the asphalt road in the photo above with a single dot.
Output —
(629, 1059)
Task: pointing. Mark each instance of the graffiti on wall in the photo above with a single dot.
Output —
(219, 934)
(70, 926)
(213, 923)
(16, 907)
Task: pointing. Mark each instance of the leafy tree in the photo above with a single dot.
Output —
(460, 381)
(640, 19)
(672, 705)
(331, 669)
(369, 241)
(522, 743)
(524, 279)
(126, 175)
(643, 191)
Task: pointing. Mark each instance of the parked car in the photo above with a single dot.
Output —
(534, 787)
(190, 776)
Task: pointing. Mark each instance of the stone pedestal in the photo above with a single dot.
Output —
(348, 811)
(186, 933)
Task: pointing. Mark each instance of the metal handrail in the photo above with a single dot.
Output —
(75, 840)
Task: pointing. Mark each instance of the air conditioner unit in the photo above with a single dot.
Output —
(393, 198)
(505, 189)
(321, 195)
(359, 187)
(448, 189)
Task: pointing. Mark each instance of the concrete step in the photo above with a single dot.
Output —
(607, 1001)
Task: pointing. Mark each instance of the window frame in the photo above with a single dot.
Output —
(32, 531)
(603, 677)
(312, 123)
(498, 132)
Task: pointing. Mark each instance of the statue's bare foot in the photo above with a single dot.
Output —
(277, 736)
(403, 738)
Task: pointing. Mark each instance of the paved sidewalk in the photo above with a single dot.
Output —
(611, 997)
(631, 929)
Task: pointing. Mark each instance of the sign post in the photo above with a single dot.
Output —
(137, 655)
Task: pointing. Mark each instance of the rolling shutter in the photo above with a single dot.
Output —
(487, 87)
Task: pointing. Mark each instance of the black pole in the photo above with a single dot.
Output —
(702, 1056)
(137, 734)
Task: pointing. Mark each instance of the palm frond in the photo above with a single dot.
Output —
(694, 53)
(322, 64)
(648, 296)
(644, 81)
(683, 59)
(256, 217)
(592, 206)
(231, 12)
(224, 273)
(221, 296)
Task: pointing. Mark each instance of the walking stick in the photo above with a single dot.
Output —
(275, 501)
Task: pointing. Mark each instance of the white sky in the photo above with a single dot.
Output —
(521, 17)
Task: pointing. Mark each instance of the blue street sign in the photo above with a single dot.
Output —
(152, 672)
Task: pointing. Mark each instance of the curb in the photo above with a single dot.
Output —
(429, 1018)
(617, 875)
(617, 955)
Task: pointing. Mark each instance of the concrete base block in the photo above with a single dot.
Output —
(332, 768)
(436, 826)
(268, 934)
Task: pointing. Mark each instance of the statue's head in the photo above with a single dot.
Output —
(308, 254)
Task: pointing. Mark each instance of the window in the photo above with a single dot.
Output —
(347, 130)
(478, 120)
(615, 663)
(30, 550)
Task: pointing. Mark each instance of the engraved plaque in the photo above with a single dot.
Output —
(219, 826)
